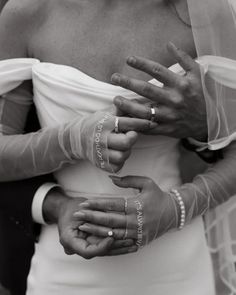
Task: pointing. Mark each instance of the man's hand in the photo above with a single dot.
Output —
(179, 106)
(59, 208)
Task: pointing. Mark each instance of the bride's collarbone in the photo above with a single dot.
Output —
(102, 50)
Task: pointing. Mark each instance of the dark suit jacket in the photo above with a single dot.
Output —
(17, 230)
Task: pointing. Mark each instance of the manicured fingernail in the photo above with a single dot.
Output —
(115, 78)
(131, 60)
(79, 214)
(84, 205)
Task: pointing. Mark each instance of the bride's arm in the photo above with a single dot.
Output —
(212, 188)
(160, 211)
(28, 155)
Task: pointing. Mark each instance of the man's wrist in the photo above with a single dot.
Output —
(52, 205)
(37, 203)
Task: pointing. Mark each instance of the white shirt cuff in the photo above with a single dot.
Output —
(37, 204)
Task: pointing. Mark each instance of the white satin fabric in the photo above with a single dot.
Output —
(177, 263)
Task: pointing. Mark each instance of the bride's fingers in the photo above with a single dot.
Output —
(117, 157)
(122, 141)
(102, 231)
(105, 204)
(137, 182)
(122, 243)
(115, 245)
(101, 218)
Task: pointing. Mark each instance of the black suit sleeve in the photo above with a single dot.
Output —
(18, 232)
(206, 155)
(16, 201)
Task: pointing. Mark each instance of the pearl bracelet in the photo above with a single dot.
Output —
(181, 204)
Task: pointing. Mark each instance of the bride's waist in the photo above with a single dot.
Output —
(84, 177)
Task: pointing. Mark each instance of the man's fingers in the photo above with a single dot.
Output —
(154, 69)
(133, 124)
(106, 219)
(146, 89)
(164, 129)
(143, 111)
(88, 251)
(133, 108)
(185, 60)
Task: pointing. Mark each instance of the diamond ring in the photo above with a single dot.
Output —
(110, 233)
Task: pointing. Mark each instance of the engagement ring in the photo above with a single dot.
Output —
(110, 233)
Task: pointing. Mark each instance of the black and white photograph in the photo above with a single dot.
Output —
(117, 147)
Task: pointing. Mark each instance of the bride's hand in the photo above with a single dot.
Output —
(105, 139)
(83, 244)
(144, 217)
(179, 106)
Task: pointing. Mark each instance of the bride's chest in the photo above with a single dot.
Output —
(98, 44)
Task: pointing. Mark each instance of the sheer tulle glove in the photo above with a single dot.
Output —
(58, 208)
(153, 212)
(88, 138)
(143, 218)
(104, 139)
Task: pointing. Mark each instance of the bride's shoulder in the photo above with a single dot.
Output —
(18, 21)
(24, 10)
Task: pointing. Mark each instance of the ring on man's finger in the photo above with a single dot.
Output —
(153, 114)
(117, 125)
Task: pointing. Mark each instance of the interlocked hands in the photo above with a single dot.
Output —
(142, 218)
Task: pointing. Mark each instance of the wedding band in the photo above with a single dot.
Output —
(126, 206)
(153, 114)
(117, 125)
(126, 230)
(126, 234)
(110, 233)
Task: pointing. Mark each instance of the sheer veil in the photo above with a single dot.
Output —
(214, 29)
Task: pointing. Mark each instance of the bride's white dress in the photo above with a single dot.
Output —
(177, 263)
